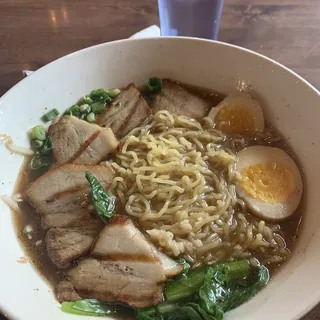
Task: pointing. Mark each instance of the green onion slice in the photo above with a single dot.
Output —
(113, 92)
(47, 147)
(98, 107)
(38, 133)
(91, 117)
(85, 108)
(154, 85)
(36, 144)
(39, 162)
(50, 115)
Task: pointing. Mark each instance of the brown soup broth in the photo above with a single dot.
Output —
(35, 247)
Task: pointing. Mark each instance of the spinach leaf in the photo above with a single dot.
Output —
(220, 294)
(89, 307)
(187, 284)
(103, 201)
(206, 293)
(168, 311)
(242, 291)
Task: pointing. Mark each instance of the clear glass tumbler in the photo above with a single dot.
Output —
(192, 18)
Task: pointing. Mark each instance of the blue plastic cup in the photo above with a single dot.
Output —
(191, 18)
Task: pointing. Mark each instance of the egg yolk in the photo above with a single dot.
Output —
(235, 119)
(268, 182)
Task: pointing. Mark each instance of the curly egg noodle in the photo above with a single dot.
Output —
(176, 177)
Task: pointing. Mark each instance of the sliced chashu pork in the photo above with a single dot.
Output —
(77, 141)
(65, 292)
(179, 101)
(68, 209)
(112, 281)
(126, 112)
(67, 244)
(120, 240)
(66, 178)
(125, 267)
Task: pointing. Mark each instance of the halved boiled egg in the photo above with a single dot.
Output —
(238, 113)
(269, 182)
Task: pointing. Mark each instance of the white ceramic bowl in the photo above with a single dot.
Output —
(292, 106)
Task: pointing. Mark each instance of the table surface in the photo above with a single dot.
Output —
(33, 33)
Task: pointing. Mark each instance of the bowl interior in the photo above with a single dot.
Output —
(291, 105)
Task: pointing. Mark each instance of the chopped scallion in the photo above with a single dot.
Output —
(98, 107)
(74, 110)
(47, 147)
(39, 163)
(100, 95)
(91, 117)
(50, 115)
(113, 92)
(36, 144)
(38, 133)
(85, 108)
(86, 100)
(154, 85)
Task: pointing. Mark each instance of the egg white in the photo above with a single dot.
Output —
(261, 154)
(242, 99)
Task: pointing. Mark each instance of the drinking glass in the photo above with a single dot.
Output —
(192, 18)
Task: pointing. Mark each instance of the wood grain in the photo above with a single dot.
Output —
(33, 33)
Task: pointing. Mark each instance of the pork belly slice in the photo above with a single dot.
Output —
(67, 244)
(179, 101)
(126, 112)
(65, 292)
(120, 240)
(67, 178)
(69, 209)
(77, 141)
(113, 281)
(124, 267)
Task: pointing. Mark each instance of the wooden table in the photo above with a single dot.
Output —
(33, 33)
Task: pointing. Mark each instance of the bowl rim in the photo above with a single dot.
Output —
(313, 300)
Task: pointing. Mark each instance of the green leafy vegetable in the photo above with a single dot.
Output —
(50, 115)
(103, 201)
(89, 307)
(38, 133)
(206, 293)
(242, 291)
(154, 85)
(185, 285)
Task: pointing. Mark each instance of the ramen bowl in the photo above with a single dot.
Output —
(291, 106)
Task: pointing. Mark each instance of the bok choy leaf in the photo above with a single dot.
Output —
(91, 307)
(208, 292)
(103, 201)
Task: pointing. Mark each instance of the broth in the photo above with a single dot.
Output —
(35, 247)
